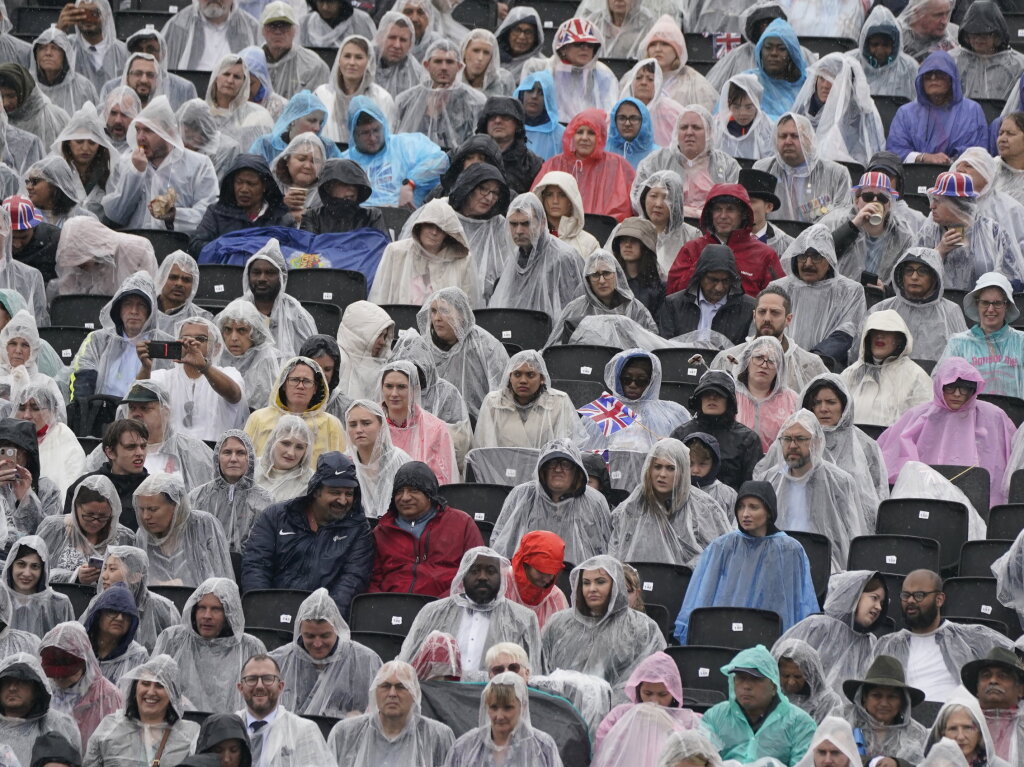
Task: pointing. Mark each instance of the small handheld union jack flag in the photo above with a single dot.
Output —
(725, 42)
(608, 413)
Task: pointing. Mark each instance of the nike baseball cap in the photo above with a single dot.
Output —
(333, 469)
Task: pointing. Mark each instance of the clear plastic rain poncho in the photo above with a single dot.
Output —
(85, 124)
(919, 45)
(242, 120)
(547, 276)
(527, 746)
(620, 40)
(199, 132)
(506, 620)
(122, 738)
(682, 83)
(167, 322)
(894, 76)
(187, 46)
(18, 150)
(961, 700)
(920, 480)
(515, 63)
(754, 141)
(35, 114)
(126, 101)
(570, 229)
(337, 101)
(14, 640)
(398, 77)
(44, 608)
(674, 530)
(859, 253)
(676, 231)
(609, 646)
(314, 32)
(55, 171)
(290, 323)
(504, 422)
(1000, 206)
(308, 144)
(66, 540)
(284, 484)
(847, 126)
(157, 85)
(816, 698)
(581, 518)
(92, 697)
(211, 667)
(578, 88)
(24, 279)
(376, 477)
(361, 328)
(235, 505)
(112, 52)
(178, 89)
(259, 364)
(192, 549)
(475, 363)
(72, 90)
(680, 746)
(844, 648)
(359, 741)
(61, 458)
(335, 685)
(836, 731)
(497, 80)
(12, 48)
(20, 733)
(945, 753)
(21, 326)
(126, 654)
(664, 109)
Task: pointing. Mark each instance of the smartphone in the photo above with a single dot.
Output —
(96, 563)
(164, 350)
(8, 452)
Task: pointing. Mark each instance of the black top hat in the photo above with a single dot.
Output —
(760, 184)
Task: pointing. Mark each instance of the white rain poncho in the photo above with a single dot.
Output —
(883, 391)
(314, 32)
(476, 362)
(506, 620)
(361, 327)
(405, 74)
(241, 120)
(811, 189)
(85, 124)
(609, 646)
(122, 738)
(623, 40)
(337, 101)
(545, 277)
(336, 685)
(61, 458)
(298, 69)
(18, 150)
(284, 484)
(625, 304)
(259, 364)
(112, 51)
(918, 45)
(55, 171)
(655, 418)
(676, 231)
(664, 110)
(126, 101)
(167, 321)
(862, 253)
(12, 48)
(1000, 206)
(200, 133)
(817, 698)
(837, 732)
(66, 540)
(187, 47)
(24, 279)
(570, 229)
(578, 88)
(14, 640)
(189, 173)
(504, 422)
(290, 324)
(581, 518)
(376, 477)
(533, 59)
(1009, 573)
(945, 753)
(177, 88)
(961, 699)
(156, 612)
(44, 608)
(673, 531)
(845, 649)
(21, 326)
(986, 76)
(709, 167)
(92, 697)
(824, 500)
(408, 273)
(35, 114)
(758, 139)
(21, 733)
(235, 505)
(919, 480)
(847, 126)
(72, 90)
(211, 667)
(680, 746)
(527, 746)
(192, 549)
(497, 80)
(360, 741)
(895, 77)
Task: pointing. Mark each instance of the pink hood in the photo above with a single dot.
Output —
(656, 668)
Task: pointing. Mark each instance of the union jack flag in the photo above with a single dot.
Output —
(725, 42)
(608, 413)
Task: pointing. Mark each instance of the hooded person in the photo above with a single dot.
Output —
(682, 83)
(292, 65)
(392, 161)
(543, 272)
(27, 498)
(630, 135)
(289, 323)
(579, 86)
(988, 66)
(200, 133)
(21, 349)
(31, 111)
(94, 165)
(176, 292)
(600, 634)
(514, 56)
(884, 382)
(564, 217)
(353, 74)
(297, 171)
(36, 607)
(304, 113)
(13, 48)
(112, 622)
(178, 89)
(227, 95)
(330, 28)
(644, 82)
(743, 129)
(38, 399)
(889, 71)
(705, 464)
(133, 735)
(992, 202)
(223, 734)
(783, 83)
(544, 132)
(634, 244)
(250, 348)
(13, 640)
(364, 338)
(962, 719)
(54, 70)
(49, 748)
(505, 117)
(376, 459)
(833, 739)
(689, 744)
(187, 31)
(926, 27)
(233, 495)
(803, 679)
(535, 566)
(659, 200)
(325, 672)
(622, 29)
(342, 213)
(285, 465)
(185, 545)
(763, 400)
(923, 432)
(323, 349)
(477, 594)
(57, 190)
(34, 713)
(210, 646)
(941, 124)
(397, 68)
(118, 109)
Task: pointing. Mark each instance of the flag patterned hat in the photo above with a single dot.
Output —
(23, 213)
(576, 31)
(953, 185)
(876, 180)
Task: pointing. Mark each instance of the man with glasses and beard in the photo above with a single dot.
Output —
(931, 649)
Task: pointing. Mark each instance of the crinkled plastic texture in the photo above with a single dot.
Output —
(91, 698)
(438, 658)
(447, 116)
(260, 363)
(545, 138)
(925, 432)
(439, 396)
(20, 733)
(578, 88)
(361, 326)
(959, 700)
(376, 478)
(408, 72)
(780, 94)
(918, 45)
(570, 226)
(837, 732)
(677, 231)
(680, 746)
(675, 530)
(12, 300)
(896, 76)
(35, 113)
(285, 484)
(168, 322)
(819, 699)
(904, 738)
(497, 80)
(242, 120)
(338, 102)
(44, 390)
(290, 324)
(159, 118)
(876, 257)
(620, 40)
(126, 100)
(997, 205)
(55, 170)
(664, 109)
(919, 480)
(945, 753)
(200, 131)
(158, 86)
(86, 124)
(758, 139)
(641, 145)
(307, 144)
(21, 326)
(40, 611)
(96, 260)
(192, 549)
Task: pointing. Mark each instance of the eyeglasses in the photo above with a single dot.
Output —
(911, 270)
(267, 679)
(515, 668)
(874, 197)
(302, 383)
(635, 380)
(916, 596)
(764, 362)
(815, 257)
(598, 276)
(559, 463)
(96, 517)
(794, 440)
(484, 191)
(628, 119)
(983, 304)
(200, 339)
(964, 389)
(33, 180)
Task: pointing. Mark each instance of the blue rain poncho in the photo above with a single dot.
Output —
(784, 734)
(300, 105)
(544, 132)
(642, 144)
(403, 156)
(779, 94)
(896, 75)
(920, 126)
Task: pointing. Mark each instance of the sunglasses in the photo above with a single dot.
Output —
(515, 668)
(875, 197)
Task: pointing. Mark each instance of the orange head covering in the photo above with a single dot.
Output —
(542, 551)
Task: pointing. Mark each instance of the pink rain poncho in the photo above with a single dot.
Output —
(604, 178)
(978, 434)
(764, 416)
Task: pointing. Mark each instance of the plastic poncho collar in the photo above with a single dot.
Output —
(458, 592)
(116, 599)
(779, 94)
(271, 191)
(640, 145)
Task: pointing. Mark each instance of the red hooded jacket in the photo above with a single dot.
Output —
(758, 263)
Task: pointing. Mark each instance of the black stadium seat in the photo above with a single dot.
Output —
(481, 501)
(386, 613)
(945, 521)
(579, 362)
(272, 608)
(739, 627)
(78, 311)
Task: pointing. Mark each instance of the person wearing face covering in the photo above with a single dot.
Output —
(535, 567)
(343, 190)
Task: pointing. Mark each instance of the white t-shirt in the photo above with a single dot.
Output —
(472, 637)
(795, 515)
(211, 414)
(215, 45)
(926, 667)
